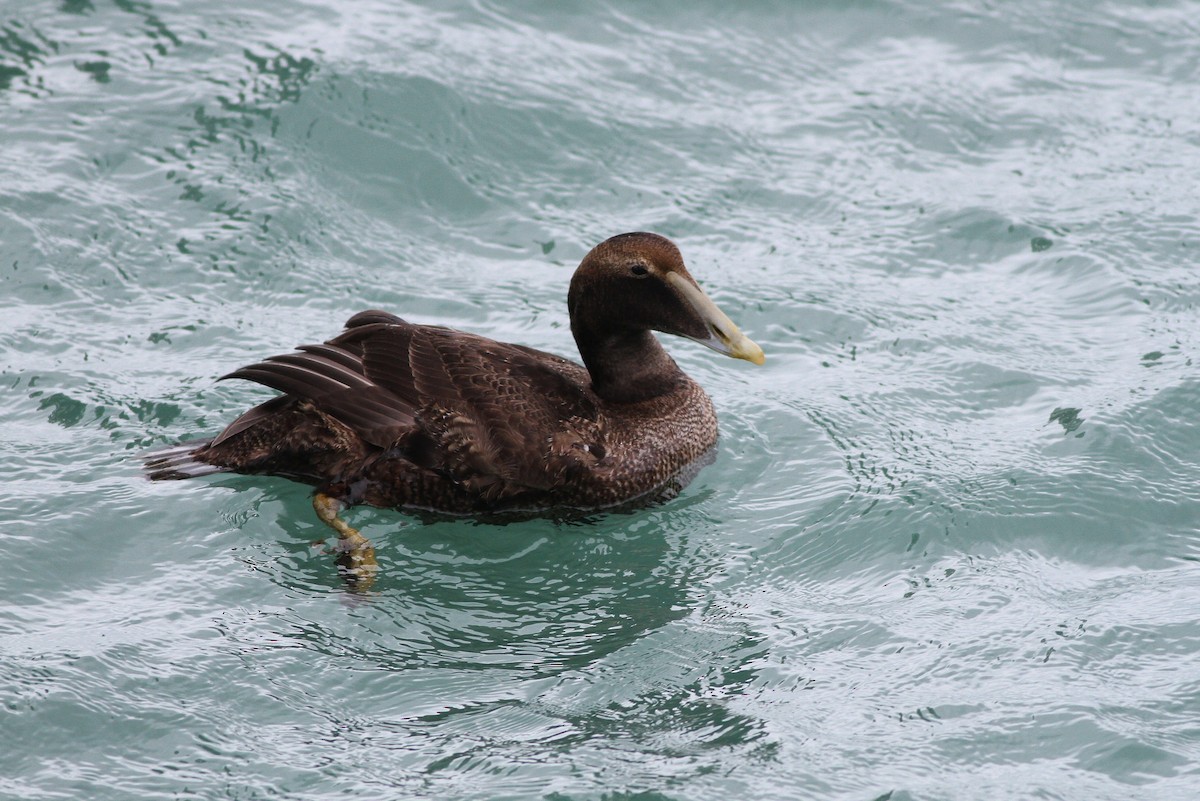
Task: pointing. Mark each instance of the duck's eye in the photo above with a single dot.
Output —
(639, 270)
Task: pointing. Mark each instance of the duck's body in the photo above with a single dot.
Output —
(394, 414)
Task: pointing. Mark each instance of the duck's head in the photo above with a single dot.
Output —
(636, 282)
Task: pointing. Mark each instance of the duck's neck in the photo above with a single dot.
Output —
(626, 366)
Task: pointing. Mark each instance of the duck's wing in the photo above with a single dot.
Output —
(334, 381)
(498, 419)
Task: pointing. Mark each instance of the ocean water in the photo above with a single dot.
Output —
(949, 545)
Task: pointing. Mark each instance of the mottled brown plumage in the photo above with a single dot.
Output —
(394, 414)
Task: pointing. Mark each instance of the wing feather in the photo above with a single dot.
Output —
(326, 367)
(339, 355)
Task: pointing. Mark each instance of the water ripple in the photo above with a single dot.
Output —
(946, 550)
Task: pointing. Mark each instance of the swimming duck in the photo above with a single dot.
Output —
(394, 414)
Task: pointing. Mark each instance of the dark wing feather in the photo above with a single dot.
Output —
(339, 355)
(387, 360)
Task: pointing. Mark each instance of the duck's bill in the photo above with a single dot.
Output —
(723, 335)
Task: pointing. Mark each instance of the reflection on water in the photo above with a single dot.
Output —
(947, 546)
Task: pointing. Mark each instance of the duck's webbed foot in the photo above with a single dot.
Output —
(355, 553)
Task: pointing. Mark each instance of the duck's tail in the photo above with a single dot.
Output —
(179, 461)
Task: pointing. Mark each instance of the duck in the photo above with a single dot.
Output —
(425, 418)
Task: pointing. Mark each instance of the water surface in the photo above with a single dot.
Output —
(948, 548)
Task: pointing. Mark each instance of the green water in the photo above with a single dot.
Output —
(948, 548)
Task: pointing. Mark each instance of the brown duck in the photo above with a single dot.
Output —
(394, 414)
